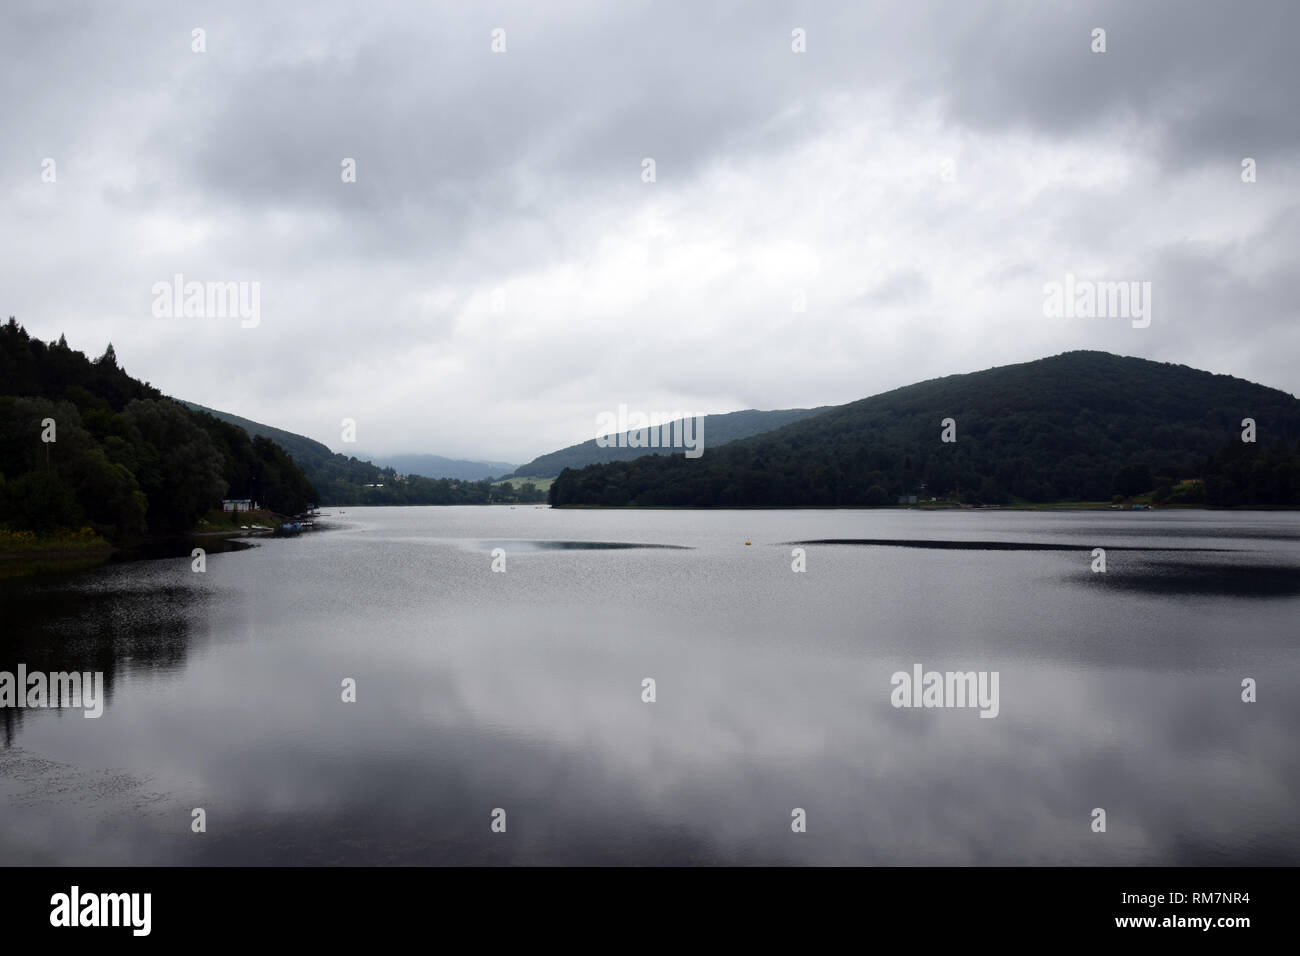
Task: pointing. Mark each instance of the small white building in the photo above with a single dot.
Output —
(236, 504)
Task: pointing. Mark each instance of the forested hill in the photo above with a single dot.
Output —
(83, 444)
(1081, 425)
(718, 430)
(346, 480)
(323, 467)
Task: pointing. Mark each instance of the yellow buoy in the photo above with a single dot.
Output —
(747, 544)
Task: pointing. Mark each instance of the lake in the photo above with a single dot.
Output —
(521, 691)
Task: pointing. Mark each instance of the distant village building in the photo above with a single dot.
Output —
(237, 504)
(907, 499)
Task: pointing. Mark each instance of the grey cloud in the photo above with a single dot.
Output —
(479, 171)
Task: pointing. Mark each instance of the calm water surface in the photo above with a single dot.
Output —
(479, 690)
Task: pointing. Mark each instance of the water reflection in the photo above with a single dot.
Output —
(522, 690)
(941, 545)
(117, 622)
(1176, 578)
(576, 545)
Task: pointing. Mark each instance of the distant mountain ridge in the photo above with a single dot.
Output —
(326, 467)
(718, 430)
(347, 480)
(1082, 425)
(306, 449)
(437, 466)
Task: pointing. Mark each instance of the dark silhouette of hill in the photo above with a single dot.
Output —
(718, 430)
(1082, 425)
(85, 445)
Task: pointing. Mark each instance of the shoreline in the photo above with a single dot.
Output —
(62, 559)
(982, 509)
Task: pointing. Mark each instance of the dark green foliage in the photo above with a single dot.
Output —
(177, 465)
(527, 493)
(1061, 428)
(125, 460)
(41, 503)
(67, 483)
(281, 485)
(1133, 480)
(1243, 473)
(257, 468)
(876, 495)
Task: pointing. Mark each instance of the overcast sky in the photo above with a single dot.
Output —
(500, 272)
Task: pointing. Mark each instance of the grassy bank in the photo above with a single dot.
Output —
(82, 540)
(542, 484)
(28, 552)
(512, 491)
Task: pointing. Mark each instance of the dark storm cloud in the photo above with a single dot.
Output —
(1208, 80)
